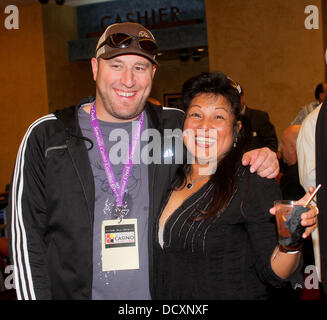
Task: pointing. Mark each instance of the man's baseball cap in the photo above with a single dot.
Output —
(127, 38)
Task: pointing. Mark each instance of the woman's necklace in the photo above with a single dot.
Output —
(190, 185)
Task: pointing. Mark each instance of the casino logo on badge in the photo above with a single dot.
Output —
(109, 238)
(120, 236)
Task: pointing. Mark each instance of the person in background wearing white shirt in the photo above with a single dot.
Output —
(320, 95)
(306, 153)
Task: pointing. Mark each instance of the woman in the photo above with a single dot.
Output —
(215, 236)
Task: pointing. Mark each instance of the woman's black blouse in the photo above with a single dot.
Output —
(223, 257)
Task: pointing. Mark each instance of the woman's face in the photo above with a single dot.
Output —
(208, 128)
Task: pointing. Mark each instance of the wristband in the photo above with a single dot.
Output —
(290, 250)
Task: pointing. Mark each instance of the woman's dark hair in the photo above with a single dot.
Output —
(217, 84)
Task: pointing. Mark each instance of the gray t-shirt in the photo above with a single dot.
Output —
(123, 284)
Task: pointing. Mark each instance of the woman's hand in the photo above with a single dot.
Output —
(309, 219)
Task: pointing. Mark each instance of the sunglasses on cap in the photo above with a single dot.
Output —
(123, 41)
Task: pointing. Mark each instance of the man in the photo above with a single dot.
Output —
(82, 224)
(321, 178)
(291, 187)
(320, 95)
(263, 133)
(289, 182)
(307, 150)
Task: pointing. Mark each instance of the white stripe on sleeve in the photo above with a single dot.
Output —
(22, 271)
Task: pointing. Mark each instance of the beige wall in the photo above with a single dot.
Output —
(36, 77)
(67, 82)
(23, 87)
(264, 45)
(171, 75)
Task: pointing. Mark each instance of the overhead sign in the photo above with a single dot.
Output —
(175, 24)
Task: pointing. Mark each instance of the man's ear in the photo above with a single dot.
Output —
(322, 96)
(94, 64)
(154, 69)
(238, 127)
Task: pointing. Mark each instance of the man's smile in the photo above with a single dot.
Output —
(125, 94)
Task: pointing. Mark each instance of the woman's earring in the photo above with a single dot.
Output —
(235, 143)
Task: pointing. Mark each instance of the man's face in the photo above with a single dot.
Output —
(123, 85)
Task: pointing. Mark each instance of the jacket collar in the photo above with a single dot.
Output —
(69, 117)
(153, 116)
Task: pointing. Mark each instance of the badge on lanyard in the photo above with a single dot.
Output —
(119, 245)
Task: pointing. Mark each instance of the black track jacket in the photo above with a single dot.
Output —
(50, 213)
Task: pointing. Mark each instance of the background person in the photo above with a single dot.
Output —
(320, 95)
(311, 150)
(263, 133)
(290, 182)
(306, 154)
(321, 178)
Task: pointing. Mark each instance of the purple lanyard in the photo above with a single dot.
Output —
(118, 191)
